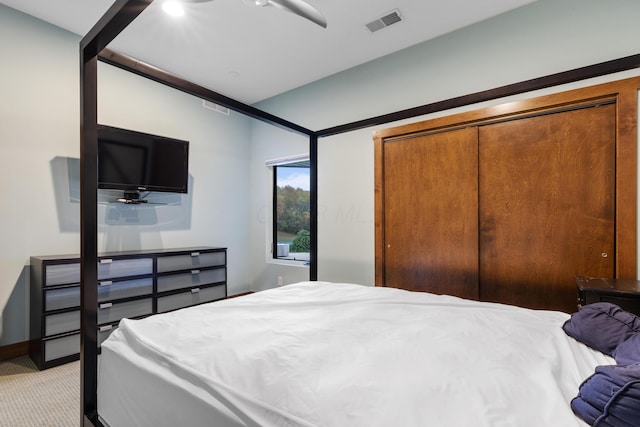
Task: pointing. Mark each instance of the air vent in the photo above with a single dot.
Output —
(215, 107)
(385, 21)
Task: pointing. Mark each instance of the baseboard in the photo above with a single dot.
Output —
(11, 351)
(239, 295)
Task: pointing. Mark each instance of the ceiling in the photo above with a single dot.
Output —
(252, 53)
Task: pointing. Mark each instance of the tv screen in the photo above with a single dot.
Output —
(135, 161)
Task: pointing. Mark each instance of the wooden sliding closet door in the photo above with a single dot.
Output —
(430, 213)
(547, 208)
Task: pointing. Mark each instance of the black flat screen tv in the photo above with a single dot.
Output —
(138, 162)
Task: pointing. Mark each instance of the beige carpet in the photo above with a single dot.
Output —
(32, 398)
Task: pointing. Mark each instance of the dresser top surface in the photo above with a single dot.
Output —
(140, 252)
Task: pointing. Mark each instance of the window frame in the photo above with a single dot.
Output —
(301, 160)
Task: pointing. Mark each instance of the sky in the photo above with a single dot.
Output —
(295, 177)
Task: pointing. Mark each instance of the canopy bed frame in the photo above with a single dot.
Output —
(93, 48)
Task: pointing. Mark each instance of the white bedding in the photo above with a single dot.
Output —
(335, 354)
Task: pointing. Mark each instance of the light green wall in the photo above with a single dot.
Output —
(39, 121)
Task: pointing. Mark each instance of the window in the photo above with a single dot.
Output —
(291, 210)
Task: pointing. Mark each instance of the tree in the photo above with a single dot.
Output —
(302, 242)
(292, 209)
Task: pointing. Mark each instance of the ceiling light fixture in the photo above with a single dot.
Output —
(173, 8)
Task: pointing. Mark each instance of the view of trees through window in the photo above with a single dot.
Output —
(292, 212)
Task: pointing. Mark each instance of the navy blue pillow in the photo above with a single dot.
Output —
(602, 326)
(610, 397)
(628, 352)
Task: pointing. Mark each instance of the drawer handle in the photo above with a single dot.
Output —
(195, 290)
(106, 305)
(106, 261)
(195, 254)
(195, 271)
(105, 328)
(105, 283)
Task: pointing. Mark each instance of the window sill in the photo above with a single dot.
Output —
(290, 262)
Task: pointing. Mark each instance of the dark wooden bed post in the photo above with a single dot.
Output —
(88, 239)
(121, 13)
(313, 160)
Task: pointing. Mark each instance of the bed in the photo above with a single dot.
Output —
(338, 354)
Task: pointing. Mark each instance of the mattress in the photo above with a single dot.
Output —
(338, 354)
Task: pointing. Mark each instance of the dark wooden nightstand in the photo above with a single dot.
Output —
(622, 292)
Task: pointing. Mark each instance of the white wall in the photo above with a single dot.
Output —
(546, 37)
(39, 151)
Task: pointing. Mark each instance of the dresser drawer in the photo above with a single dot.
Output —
(191, 261)
(60, 323)
(191, 279)
(61, 347)
(108, 290)
(110, 269)
(57, 299)
(62, 274)
(112, 312)
(191, 297)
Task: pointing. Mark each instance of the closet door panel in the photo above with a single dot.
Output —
(430, 213)
(547, 207)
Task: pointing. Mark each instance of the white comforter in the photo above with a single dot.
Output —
(334, 354)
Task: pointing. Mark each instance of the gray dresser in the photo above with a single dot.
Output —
(131, 284)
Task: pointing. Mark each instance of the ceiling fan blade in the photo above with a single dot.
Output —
(301, 8)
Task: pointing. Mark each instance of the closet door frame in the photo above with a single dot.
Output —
(625, 95)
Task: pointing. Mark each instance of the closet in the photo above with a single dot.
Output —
(510, 203)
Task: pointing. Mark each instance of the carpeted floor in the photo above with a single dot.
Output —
(32, 398)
